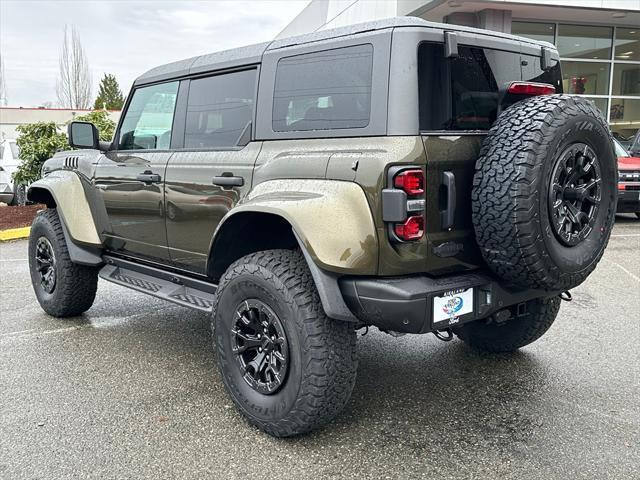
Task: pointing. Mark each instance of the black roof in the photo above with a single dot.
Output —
(253, 53)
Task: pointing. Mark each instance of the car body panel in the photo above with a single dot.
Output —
(69, 194)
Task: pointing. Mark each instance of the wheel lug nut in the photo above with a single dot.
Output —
(259, 335)
(273, 337)
(259, 349)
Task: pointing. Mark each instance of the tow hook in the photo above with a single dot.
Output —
(445, 335)
(566, 296)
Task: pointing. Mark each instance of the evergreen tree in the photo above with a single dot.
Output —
(109, 94)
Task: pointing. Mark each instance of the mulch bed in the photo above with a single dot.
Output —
(16, 217)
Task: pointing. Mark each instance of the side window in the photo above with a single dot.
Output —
(149, 118)
(324, 90)
(219, 109)
(463, 93)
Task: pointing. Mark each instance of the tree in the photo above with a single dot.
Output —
(109, 94)
(100, 118)
(38, 142)
(74, 85)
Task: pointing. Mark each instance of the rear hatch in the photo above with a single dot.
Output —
(460, 98)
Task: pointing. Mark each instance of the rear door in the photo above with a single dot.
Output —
(459, 101)
(130, 177)
(213, 165)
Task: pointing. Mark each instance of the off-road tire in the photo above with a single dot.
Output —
(490, 335)
(323, 361)
(75, 285)
(19, 196)
(510, 197)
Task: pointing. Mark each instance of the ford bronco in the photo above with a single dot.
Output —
(407, 175)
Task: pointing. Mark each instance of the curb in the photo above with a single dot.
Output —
(14, 233)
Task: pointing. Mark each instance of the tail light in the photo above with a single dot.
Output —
(403, 204)
(411, 229)
(411, 181)
(531, 89)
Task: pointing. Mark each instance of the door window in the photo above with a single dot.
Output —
(219, 109)
(149, 118)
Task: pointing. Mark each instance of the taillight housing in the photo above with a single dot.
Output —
(411, 181)
(411, 229)
(403, 203)
(531, 88)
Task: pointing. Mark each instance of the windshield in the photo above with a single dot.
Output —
(620, 151)
(636, 143)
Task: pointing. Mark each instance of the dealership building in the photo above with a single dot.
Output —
(598, 40)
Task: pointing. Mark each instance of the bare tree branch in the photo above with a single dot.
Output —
(75, 84)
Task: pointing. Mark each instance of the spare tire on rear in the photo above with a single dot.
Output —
(544, 192)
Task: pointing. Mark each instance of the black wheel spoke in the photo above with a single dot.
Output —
(574, 193)
(45, 264)
(260, 346)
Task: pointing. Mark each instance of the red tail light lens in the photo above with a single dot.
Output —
(411, 229)
(411, 181)
(530, 88)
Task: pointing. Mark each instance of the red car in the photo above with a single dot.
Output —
(628, 181)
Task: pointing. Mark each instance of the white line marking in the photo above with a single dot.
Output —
(627, 235)
(34, 332)
(632, 275)
(14, 260)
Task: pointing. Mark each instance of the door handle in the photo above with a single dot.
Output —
(228, 181)
(148, 177)
(448, 200)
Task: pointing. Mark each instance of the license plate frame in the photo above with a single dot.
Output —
(450, 306)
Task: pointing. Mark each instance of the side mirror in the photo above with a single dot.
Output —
(83, 135)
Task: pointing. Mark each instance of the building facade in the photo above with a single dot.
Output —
(598, 40)
(11, 117)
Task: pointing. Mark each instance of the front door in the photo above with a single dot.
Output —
(130, 178)
(214, 168)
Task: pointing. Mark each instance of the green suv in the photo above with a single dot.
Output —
(412, 176)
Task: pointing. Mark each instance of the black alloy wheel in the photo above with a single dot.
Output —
(575, 193)
(46, 264)
(260, 345)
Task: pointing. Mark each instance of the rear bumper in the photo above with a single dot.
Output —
(405, 304)
(628, 200)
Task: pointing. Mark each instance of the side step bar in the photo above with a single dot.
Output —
(176, 288)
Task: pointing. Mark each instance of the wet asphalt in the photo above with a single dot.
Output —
(131, 390)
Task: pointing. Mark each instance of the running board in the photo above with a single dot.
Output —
(174, 287)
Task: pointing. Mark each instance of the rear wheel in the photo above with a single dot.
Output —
(63, 288)
(288, 367)
(524, 326)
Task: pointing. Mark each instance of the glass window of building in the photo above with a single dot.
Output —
(627, 44)
(536, 31)
(602, 104)
(625, 115)
(582, 41)
(626, 79)
(585, 78)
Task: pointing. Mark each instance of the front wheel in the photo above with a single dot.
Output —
(524, 326)
(63, 288)
(288, 367)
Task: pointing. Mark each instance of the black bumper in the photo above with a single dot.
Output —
(628, 201)
(406, 304)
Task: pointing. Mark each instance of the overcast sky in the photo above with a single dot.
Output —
(125, 38)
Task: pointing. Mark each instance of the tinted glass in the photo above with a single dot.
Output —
(627, 44)
(324, 90)
(585, 78)
(626, 79)
(625, 116)
(219, 109)
(532, 72)
(463, 93)
(536, 31)
(149, 117)
(582, 41)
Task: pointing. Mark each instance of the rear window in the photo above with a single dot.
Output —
(324, 90)
(462, 93)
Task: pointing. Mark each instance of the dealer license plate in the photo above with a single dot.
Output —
(449, 306)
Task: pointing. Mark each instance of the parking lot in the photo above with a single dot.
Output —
(131, 390)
